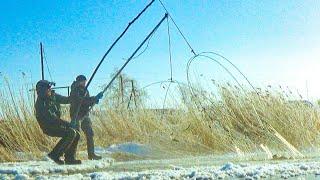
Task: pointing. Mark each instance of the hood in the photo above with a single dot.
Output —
(42, 87)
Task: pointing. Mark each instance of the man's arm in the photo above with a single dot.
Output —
(77, 96)
(62, 99)
(89, 101)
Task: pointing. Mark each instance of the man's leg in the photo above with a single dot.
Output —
(70, 154)
(86, 126)
(67, 135)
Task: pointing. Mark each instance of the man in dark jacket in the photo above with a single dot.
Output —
(80, 103)
(48, 116)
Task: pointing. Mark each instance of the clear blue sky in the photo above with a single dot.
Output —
(272, 42)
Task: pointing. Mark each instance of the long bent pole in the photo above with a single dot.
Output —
(116, 41)
(126, 63)
(133, 54)
(109, 50)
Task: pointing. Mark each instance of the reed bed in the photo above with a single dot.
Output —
(229, 120)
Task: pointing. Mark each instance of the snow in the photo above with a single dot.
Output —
(47, 170)
(23, 170)
(201, 167)
(228, 170)
(130, 147)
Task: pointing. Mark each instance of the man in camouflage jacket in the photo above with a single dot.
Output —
(48, 114)
(80, 103)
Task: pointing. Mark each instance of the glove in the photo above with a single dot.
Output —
(74, 124)
(98, 97)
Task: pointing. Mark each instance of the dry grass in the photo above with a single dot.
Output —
(232, 120)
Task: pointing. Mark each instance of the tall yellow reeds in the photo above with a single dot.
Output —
(231, 120)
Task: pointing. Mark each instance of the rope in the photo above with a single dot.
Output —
(195, 55)
(219, 63)
(175, 24)
(226, 59)
(132, 56)
(154, 83)
(144, 50)
(213, 59)
(48, 69)
(165, 97)
(235, 79)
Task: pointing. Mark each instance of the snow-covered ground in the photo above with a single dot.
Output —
(99, 170)
(201, 167)
(48, 168)
(132, 148)
(227, 171)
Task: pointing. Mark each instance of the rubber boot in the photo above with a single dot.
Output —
(73, 162)
(90, 149)
(55, 158)
(62, 146)
(94, 157)
(70, 154)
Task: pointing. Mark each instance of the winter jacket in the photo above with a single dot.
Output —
(48, 112)
(80, 101)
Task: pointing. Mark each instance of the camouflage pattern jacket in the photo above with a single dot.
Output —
(80, 101)
(48, 112)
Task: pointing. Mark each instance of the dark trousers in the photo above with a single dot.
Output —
(68, 142)
(86, 126)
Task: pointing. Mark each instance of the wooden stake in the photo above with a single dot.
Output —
(41, 58)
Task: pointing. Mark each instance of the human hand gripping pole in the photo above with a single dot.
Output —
(75, 124)
(98, 97)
